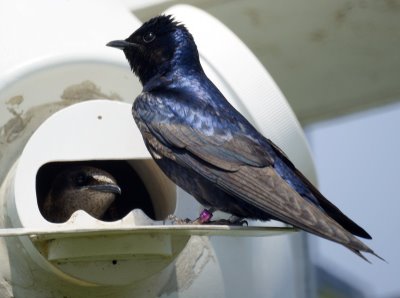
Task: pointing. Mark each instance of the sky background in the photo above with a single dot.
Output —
(357, 159)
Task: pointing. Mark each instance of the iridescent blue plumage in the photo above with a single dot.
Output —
(210, 150)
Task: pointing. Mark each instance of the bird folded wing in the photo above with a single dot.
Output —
(219, 150)
(265, 189)
(329, 208)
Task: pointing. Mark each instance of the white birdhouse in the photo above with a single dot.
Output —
(66, 99)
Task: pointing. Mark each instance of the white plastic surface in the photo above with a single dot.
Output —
(35, 30)
(92, 130)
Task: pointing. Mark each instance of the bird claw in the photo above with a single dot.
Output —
(178, 221)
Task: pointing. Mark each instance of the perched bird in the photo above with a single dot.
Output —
(209, 149)
(79, 188)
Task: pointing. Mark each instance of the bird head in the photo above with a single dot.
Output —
(80, 188)
(87, 179)
(157, 47)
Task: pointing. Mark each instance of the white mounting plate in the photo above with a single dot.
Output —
(68, 245)
(195, 230)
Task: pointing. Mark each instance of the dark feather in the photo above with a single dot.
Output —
(329, 208)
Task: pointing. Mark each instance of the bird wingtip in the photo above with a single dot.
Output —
(357, 252)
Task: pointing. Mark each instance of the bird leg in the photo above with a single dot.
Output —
(205, 216)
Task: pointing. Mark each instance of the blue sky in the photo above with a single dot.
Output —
(357, 159)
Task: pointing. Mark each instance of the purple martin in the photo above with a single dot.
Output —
(204, 145)
(79, 188)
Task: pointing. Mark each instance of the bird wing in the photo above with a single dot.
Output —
(265, 189)
(236, 163)
(329, 208)
(228, 153)
(214, 143)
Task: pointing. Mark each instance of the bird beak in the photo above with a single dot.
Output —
(121, 44)
(113, 188)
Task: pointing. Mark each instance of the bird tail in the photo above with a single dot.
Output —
(358, 253)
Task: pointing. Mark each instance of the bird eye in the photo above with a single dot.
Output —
(149, 37)
(81, 179)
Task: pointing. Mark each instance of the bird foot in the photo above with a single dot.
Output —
(205, 218)
(178, 221)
